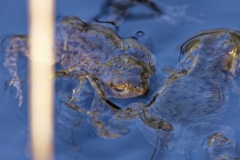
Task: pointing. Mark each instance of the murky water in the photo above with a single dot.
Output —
(75, 138)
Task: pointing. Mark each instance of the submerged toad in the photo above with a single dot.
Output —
(116, 67)
(197, 96)
(193, 99)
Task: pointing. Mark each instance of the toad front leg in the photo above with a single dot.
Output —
(112, 129)
(81, 78)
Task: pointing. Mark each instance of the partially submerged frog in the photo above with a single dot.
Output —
(116, 67)
(183, 112)
(194, 98)
(122, 66)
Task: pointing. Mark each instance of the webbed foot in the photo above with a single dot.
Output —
(112, 129)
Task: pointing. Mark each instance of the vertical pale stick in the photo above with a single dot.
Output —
(41, 25)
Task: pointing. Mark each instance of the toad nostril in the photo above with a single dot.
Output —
(136, 87)
(144, 75)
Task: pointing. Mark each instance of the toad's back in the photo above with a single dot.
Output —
(88, 44)
(90, 49)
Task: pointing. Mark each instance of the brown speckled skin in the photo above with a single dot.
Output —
(93, 50)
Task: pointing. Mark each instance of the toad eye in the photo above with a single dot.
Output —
(118, 88)
(144, 75)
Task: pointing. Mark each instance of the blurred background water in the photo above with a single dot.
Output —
(74, 137)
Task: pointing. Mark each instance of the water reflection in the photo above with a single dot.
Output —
(185, 112)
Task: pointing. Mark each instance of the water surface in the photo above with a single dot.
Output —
(74, 137)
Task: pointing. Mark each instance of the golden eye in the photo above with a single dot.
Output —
(118, 88)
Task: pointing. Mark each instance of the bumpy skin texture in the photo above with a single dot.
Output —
(118, 67)
(193, 98)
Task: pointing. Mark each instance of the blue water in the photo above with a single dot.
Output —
(181, 20)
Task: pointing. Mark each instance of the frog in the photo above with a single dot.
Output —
(116, 12)
(194, 97)
(116, 67)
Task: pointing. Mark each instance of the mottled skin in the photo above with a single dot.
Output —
(120, 67)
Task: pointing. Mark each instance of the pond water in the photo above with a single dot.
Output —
(74, 136)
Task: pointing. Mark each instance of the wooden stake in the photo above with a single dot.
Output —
(41, 41)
